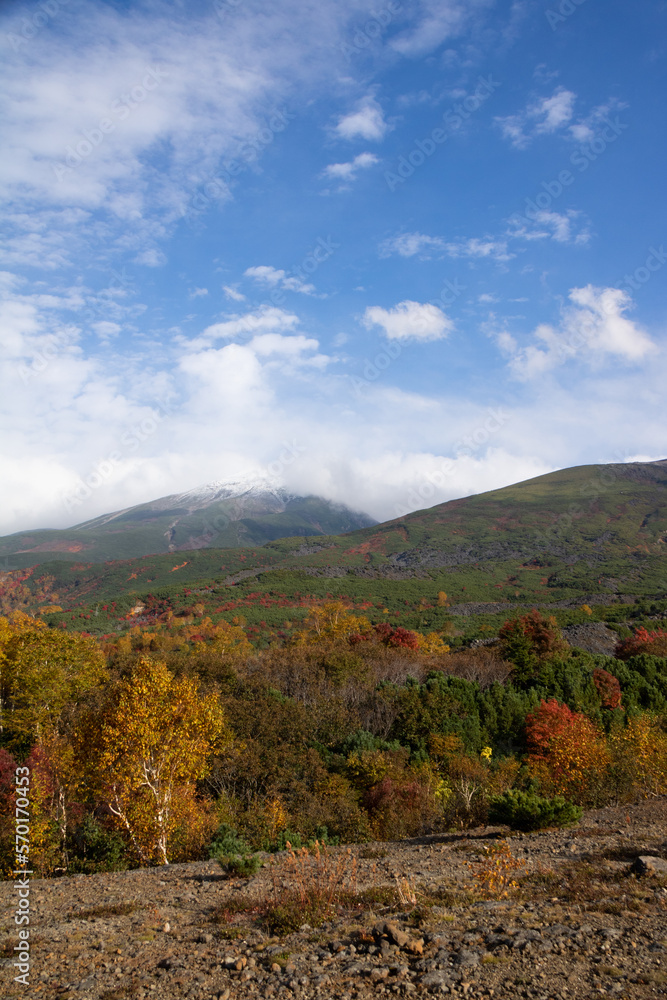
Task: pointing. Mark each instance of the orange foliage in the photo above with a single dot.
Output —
(642, 748)
(569, 754)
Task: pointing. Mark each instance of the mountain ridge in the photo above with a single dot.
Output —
(585, 535)
(251, 510)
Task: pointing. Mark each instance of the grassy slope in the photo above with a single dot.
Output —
(578, 532)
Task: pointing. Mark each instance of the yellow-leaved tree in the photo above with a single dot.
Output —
(43, 674)
(151, 744)
(331, 621)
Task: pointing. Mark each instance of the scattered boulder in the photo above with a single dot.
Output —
(435, 981)
(646, 864)
(391, 930)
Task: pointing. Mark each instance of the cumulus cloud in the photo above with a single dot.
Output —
(593, 327)
(541, 117)
(366, 122)
(196, 412)
(271, 277)
(265, 319)
(409, 321)
(348, 171)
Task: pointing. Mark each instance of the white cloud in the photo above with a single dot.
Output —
(116, 113)
(46, 250)
(348, 171)
(366, 122)
(265, 319)
(151, 258)
(506, 342)
(593, 327)
(409, 244)
(409, 320)
(232, 292)
(542, 117)
(197, 293)
(595, 121)
(474, 247)
(442, 19)
(571, 226)
(274, 343)
(555, 111)
(105, 329)
(272, 277)
(162, 414)
(190, 414)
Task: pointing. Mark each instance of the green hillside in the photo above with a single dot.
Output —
(592, 534)
(162, 526)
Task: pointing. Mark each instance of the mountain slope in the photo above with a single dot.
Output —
(247, 512)
(591, 534)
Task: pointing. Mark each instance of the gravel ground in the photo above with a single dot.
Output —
(581, 924)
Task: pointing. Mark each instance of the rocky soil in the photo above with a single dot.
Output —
(586, 920)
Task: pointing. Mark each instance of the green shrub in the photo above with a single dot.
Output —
(92, 848)
(233, 853)
(226, 843)
(529, 811)
(297, 841)
(241, 866)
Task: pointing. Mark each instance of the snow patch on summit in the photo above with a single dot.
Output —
(249, 486)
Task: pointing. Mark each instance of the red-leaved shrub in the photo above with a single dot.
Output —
(608, 688)
(642, 641)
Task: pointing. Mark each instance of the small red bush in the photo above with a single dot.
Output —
(643, 641)
(608, 688)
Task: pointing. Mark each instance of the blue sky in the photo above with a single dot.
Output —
(390, 254)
